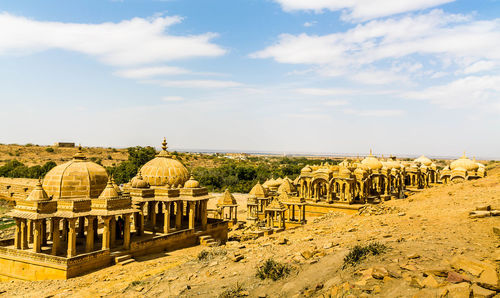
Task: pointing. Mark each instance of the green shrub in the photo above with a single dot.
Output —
(49, 149)
(272, 270)
(359, 253)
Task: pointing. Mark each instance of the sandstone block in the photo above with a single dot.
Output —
(454, 277)
(489, 279)
(483, 208)
(379, 272)
(480, 292)
(467, 264)
(461, 290)
(430, 282)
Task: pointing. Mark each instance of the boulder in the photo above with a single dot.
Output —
(307, 254)
(479, 292)
(467, 264)
(489, 279)
(461, 290)
(483, 208)
(496, 230)
(454, 277)
(430, 282)
(379, 272)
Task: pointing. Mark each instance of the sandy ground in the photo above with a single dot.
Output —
(426, 232)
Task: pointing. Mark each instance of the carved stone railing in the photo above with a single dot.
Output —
(29, 255)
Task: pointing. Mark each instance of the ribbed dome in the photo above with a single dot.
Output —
(345, 173)
(306, 169)
(465, 163)
(139, 182)
(423, 160)
(192, 183)
(372, 162)
(163, 170)
(76, 178)
(38, 194)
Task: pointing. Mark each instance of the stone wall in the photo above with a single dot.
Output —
(15, 188)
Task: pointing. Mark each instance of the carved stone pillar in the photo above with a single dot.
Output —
(191, 214)
(24, 234)
(178, 215)
(89, 244)
(204, 214)
(55, 236)
(105, 232)
(126, 231)
(166, 217)
(71, 237)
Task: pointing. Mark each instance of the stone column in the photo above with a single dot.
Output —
(18, 234)
(30, 231)
(55, 236)
(71, 237)
(65, 230)
(166, 217)
(81, 227)
(37, 235)
(112, 232)
(126, 231)
(50, 229)
(204, 214)
(24, 234)
(153, 216)
(191, 214)
(44, 231)
(89, 245)
(105, 232)
(178, 215)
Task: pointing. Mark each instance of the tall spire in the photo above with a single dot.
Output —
(79, 154)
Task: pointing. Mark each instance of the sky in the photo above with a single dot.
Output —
(341, 76)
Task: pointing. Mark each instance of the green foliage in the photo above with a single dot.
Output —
(16, 169)
(359, 253)
(49, 149)
(241, 176)
(233, 292)
(126, 170)
(97, 160)
(272, 270)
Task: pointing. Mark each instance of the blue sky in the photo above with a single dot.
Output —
(398, 76)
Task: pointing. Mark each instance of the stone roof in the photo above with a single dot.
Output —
(38, 193)
(258, 191)
(227, 199)
(276, 205)
(163, 170)
(76, 178)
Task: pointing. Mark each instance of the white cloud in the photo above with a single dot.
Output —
(336, 103)
(361, 9)
(200, 84)
(472, 91)
(172, 98)
(377, 77)
(374, 113)
(147, 72)
(324, 91)
(310, 24)
(479, 67)
(129, 42)
(449, 39)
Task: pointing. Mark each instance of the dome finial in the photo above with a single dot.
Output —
(164, 144)
(463, 156)
(371, 152)
(79, 154)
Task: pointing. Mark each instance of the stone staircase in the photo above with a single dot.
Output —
(122, 259)
(207, 240)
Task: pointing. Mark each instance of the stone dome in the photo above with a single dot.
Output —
(109, 192)
(76, 178)
(258, 190)
(306, 169)
(372, 162)
(191, 183)
(163, 170)
(38, 194)
(465, 163)
(139, 182)
(423, 160)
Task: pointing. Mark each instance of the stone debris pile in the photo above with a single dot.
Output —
(484, 211)
(377, 210)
